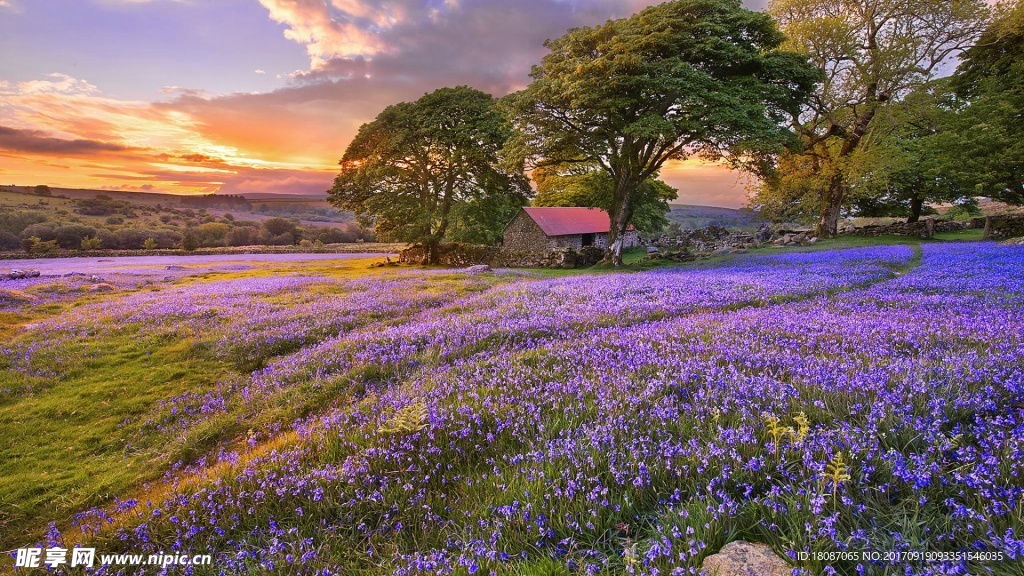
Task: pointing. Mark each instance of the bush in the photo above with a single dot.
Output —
(211, 234)
(15, 222)
(279, 227)
(34, 245)
(109, 239)
(189, 241)
(115, 220)
(286, 239)
(9, 241)
(42, 190)
(91, 243)
(70, 237)
(43, 231)
(241, 236)
(149, 244)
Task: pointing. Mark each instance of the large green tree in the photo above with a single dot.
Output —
(410, 169)
(871, 53)
(989, 140)
(684, 78)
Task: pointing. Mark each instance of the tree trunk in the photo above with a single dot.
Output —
(619, 216)
(916, 205)
(831, 205)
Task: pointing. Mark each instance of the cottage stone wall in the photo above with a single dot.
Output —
(524, 235)
(1003, 227)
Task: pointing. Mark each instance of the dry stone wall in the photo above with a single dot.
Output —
(1003, 227)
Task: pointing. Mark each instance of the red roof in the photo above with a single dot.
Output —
(563, 221)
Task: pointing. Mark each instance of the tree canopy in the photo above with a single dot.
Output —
(688, 77)
(989, 140)
(407, 170)
(871, 53)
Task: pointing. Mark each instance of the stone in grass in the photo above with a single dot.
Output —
(16, 296)
(741, 558)
(478, 269)
(102, 287)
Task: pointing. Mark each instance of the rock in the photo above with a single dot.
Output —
(174, 267)
(16, 274)
(478, 269)
(32, 274)
(741, 558)
(652, 249)
(16, 296)
(102, 287)
(813, 240)
(95, 278)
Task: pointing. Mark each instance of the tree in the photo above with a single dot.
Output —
(593, 187)
(684, 78)
(42, 190)
(909, 162)
(406, 171)
(871, 53)
(989, 140)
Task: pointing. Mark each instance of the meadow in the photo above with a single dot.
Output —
(324, 418)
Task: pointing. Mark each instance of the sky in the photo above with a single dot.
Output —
(258, 96)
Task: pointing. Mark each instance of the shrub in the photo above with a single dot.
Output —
(115, 220)
(211, 234)
(9, 241)
(241, 236)
(189, 241)
(91, 243)
(109, 239)
(279, 227)
(286, 239)
(15, 222)
(149, 244)
(43, 231)
(34, 245)
(42, 190)
(70, 236)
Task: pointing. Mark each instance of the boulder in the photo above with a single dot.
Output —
(741, 558)
(478, 269)
(16, 296)
(173, 267)
(102, 287)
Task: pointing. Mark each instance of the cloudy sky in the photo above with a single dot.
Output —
(243, 96)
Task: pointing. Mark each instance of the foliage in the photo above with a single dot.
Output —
(594, 188)
(406, 171)
(989, 141)
(94, 243)
(189, 241)
(42, 190)
(684, 78)
(870, 54)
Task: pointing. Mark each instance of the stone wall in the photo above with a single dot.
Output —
(524, 235)
(1003, 227)
(926, 228)
(455, 254)
(556, 258)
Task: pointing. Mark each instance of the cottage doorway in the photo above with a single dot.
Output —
(588, 240)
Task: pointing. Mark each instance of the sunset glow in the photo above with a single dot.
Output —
(245, 96)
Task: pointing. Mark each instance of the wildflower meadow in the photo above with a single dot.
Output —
(337, 420)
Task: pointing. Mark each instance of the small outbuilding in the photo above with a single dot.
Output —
(545, 229)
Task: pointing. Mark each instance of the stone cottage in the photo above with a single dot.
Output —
(545, 229)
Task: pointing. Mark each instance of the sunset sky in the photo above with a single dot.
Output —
(245, 96)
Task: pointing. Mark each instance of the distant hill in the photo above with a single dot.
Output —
(692, 217)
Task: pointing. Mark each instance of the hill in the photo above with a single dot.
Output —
(694, 217)
(127, 220)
